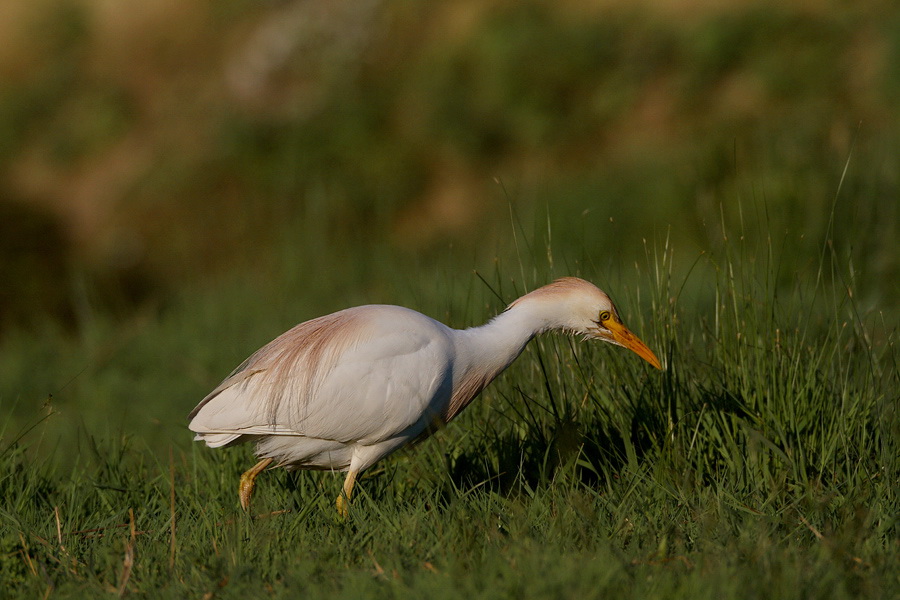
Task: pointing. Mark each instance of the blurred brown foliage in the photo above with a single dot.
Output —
(143, 143)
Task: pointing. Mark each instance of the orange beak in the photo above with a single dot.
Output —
(622, 336)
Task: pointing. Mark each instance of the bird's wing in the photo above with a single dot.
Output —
(362, 374)
(381, 389)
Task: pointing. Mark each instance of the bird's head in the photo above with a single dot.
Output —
(579, 307)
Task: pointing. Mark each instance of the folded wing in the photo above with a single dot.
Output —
(363, 375)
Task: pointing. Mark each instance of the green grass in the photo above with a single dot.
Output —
(762, 463)
(729, 177)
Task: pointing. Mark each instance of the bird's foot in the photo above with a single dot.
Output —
(248, 482)
(343, 500)
(343, 506)
(245, 490)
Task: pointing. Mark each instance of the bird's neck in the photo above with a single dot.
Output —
(496, 344)
(484, 352)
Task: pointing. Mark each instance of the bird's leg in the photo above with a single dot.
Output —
(343, 499)
(248, 481)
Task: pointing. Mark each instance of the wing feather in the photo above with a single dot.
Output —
(362, 373)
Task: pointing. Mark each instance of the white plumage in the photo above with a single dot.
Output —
(345, 390)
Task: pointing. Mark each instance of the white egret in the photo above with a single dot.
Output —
(343, 391)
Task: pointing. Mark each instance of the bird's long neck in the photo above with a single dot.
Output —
(499, 342)
(484, 352)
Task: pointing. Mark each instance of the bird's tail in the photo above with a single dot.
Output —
(217, 440)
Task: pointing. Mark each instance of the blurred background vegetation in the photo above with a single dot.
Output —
(295, 157)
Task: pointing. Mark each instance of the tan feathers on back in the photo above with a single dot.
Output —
(291, 365)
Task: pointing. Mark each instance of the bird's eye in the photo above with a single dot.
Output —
(605, 316)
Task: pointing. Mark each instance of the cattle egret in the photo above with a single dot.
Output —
(343, 391)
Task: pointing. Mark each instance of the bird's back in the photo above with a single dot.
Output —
(361, 375)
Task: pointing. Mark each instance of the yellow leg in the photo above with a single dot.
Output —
(343, 500)
(248, 481)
